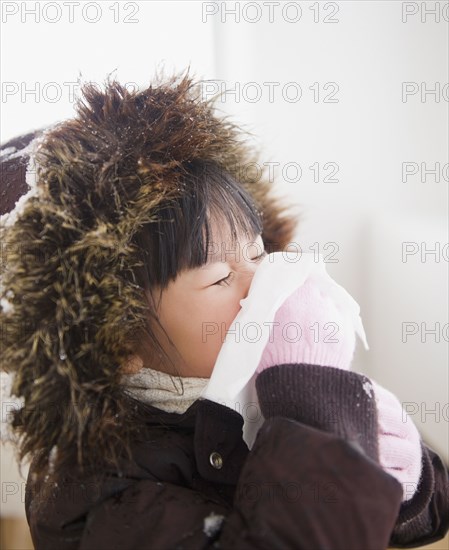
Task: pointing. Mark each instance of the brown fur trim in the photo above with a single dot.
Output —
(68, 259)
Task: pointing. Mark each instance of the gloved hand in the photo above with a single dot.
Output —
(309, 328)
(400, 452)
(293, 342)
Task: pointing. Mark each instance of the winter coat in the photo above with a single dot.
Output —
(69, 305)
(310, 481)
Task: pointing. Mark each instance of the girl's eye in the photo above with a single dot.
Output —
(264, 253)
(225, 281)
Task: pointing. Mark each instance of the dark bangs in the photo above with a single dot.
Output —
(182, 237)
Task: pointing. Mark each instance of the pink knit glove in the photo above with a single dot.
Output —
(309, 328)
(400, 452)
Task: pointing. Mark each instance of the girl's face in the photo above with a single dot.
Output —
(197, 309)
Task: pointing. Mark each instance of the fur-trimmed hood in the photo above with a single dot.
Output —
(68, 301)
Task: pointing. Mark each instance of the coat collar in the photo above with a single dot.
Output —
(216, 429)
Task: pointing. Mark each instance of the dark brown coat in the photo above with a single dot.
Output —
(311, 481)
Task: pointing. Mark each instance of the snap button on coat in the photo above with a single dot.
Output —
(216, 460)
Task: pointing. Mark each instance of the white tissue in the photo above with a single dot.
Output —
(232, 382)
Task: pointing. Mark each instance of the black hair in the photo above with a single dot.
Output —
(180, 239)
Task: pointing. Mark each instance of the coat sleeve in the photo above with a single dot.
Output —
(341, 402)
(299, 488)
(425, 518)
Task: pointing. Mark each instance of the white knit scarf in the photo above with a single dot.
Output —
(162, 390)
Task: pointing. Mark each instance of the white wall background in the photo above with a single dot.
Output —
(368, 52)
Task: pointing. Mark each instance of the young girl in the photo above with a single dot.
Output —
(126, 246)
